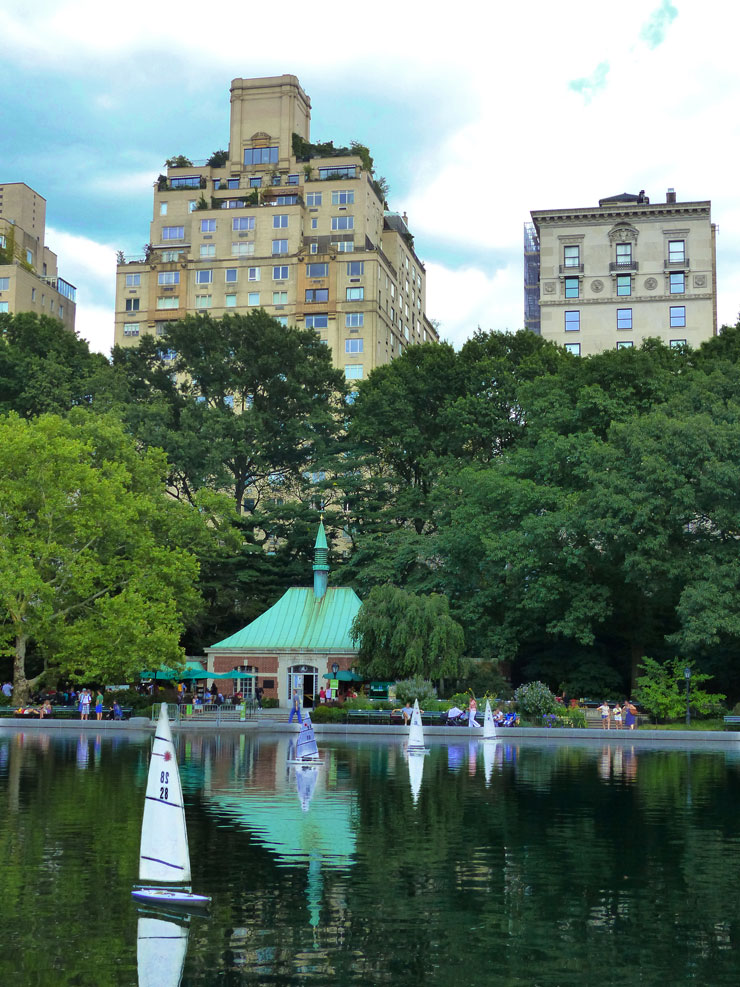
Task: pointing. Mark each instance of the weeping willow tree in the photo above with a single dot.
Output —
(403, 634)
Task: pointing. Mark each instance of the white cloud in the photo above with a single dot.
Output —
(91, 267)
(470, 298)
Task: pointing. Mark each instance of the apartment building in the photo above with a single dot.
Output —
(609, 277)
(29, 281)
(298, 229)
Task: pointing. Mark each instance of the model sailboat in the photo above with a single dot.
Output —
(306, 748)
(416, 732)
(164, 856)
(489, 724)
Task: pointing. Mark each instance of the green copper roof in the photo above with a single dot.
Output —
(301, 620)
(321, 551)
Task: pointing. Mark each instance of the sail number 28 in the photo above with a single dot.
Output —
(164, 779)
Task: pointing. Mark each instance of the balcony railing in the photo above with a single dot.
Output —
(623, 266)
(676, 265)
(571, 268)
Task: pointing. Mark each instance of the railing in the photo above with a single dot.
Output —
(571, 268)
(623, 265)
(212, 712)
(64, 288)
(676, 265)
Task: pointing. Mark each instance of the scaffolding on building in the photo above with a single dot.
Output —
(531, 278)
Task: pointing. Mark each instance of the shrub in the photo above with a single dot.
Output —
(269, 702)
(571, 717)
(327, 714)
(359, 703)
(535, 699)
(416, 688)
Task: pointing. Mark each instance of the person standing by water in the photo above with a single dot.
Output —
(472, 710)
(630, 715)
(295, 707)
(605, 715)
(85, 700)
(99, 705)
(617, 717)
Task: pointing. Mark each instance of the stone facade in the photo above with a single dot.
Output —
(630, 269)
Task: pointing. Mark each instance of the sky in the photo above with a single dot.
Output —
(474, 114)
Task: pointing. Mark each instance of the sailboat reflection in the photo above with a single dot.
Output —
(162, 943)
(416, 771)
(305, 783)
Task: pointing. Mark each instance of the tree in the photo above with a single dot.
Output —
(402, 634)
(661, 689)
(94, 575)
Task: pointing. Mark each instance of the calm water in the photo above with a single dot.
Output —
(519, 864)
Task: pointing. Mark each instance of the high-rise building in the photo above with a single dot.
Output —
(29, 281)
(629, 269)
(298, 229)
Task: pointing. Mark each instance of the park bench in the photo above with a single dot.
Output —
(392, 716)
(62, 713)
(731, 721)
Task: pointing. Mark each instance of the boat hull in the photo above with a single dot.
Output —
(171, 897)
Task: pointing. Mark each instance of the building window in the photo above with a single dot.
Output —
(571, 256)
(353, 346)
(33, 293)
(203, 301)
(282, 319)
(280, 298)
(624, 318)
(241, 223)
(317, 295)
(280, 222)
(355, 294)
(260, 155)
(354, 320)
(678, 316)
(173, 232)
(253, 298)
(168, 277)
(162, 208)
(4, 307)
(317, 322)
(255, 182)
(343, 246)
(572, 321)
(572, 286)
(168, 301)
(280, 273)
(574, 348)
(624, 284)
(342, 198)
(5, 284)
(192, 181)
(355, 268)
(286, 200)
(624, 254)
(317, 270)
(624, 344)
(243, 248)
(132, 281)
(169, 256)
(130, 328)
(204, 277)
(208, 250)
(314, 224)
(29, 257)
(132, 304)
(313, 198)
(279, 246)
(347, 172)
(253, 273)
(231, 275)
(343, 222)
(313, 248)
(231, 301)
(677, 251)
(677, 343)
(208, 226)
(353, 371)
(677, 282)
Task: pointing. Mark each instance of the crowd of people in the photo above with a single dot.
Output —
(625, 716)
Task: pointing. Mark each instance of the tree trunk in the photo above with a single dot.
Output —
(20, 683)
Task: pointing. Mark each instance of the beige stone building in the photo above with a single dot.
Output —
(29, 281)
(298, 229)
(613, 275)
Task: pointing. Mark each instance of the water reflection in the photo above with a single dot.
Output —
(161, 946)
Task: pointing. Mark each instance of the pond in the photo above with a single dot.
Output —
(518, 863)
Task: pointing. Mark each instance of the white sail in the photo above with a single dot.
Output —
(416, 730)
(416, 770)
(489, 724)
(306, 747)
(160, 951)
(164, 854)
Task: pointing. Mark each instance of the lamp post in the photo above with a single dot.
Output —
(334, 669)
(687, 676)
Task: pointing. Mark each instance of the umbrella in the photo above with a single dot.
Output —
(344, 677)
(192, 670)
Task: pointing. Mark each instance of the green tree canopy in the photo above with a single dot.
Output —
(402, 634)
(94, 575)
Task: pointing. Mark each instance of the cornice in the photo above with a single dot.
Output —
(634, 214)
(625, 301)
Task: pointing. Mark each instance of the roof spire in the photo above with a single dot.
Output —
(320, 562)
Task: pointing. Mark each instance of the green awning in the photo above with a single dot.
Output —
(344, 677)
